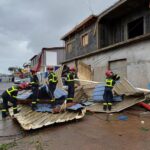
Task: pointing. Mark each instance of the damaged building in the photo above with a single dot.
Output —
(118, 38)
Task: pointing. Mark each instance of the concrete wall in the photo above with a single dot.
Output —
(138, 63)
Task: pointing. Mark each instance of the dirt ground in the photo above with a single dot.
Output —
(96, 131)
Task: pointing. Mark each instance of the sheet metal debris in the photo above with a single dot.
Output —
(29, 119)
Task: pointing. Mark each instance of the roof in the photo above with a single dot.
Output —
(52, 48)
(33, 57)
(85, 22)
(122, 8)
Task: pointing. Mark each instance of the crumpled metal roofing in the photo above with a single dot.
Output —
(29, 119)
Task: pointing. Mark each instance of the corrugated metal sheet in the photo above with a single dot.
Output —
(29, 119)
(116, 107)
(126, 88)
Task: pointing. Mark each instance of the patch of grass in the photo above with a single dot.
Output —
(144, 129)
(7, 146)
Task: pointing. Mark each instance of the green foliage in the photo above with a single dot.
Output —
(7, 146)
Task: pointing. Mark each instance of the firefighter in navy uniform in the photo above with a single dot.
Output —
(10, 96)
(111, 79)
(70, 83)
(34, 83)
(52, 83)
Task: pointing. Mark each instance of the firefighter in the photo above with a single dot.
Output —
(52, 83)
(10, 95)
(34, 83)
(111, 79)
(71, 75)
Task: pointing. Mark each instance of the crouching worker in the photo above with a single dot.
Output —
(10, 96)
(111, 79)
(70, 83)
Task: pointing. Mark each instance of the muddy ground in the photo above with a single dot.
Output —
(96, 131)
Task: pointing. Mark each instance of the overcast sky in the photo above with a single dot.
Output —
(26, 26)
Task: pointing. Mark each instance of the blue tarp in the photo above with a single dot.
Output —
(75, 107)
(44, 108)
(98, 92)
(43, 94)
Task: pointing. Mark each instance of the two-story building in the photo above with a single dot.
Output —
(49, 56)
(118, 38)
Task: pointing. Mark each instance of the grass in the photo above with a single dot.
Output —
(7, 146)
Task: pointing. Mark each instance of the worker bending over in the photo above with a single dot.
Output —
(52, 83)
(111, 79)
(34, 83)
(10, 95)
(71, 75)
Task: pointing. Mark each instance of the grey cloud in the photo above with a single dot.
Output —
(26, 26)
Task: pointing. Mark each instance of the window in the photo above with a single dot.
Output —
(69, 47)
(135, 28)
(85, 39)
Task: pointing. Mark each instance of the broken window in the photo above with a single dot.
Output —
(85, 39)
(135, 28)
(69, 47)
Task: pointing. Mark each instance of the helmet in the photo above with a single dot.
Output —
(50, 68)
(108, 73)
(23, 85)
(72, 69)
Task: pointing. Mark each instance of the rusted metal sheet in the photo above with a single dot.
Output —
(29, 119)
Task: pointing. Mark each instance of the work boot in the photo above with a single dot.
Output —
(15, 111)
(4, 114)
(104, 107)
(34, 107)
(109, 107)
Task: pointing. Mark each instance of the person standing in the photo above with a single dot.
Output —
(71, 75)
(111, 79)
(34, 82)
(52, 82)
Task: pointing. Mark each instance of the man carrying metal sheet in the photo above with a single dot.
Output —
(111, 79)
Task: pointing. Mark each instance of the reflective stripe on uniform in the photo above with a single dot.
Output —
(110, 104)
(54, 77)
(70, 98)
(4, 110)
(52, 100)
(68, 78)
(14, 108)
(109, 82)
(12, 90)
(104, 103)
(33, 102)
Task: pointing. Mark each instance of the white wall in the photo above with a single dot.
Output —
(138, 62)
(51, 58)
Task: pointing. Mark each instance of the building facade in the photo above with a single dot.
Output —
(48, 56)
(121, 41)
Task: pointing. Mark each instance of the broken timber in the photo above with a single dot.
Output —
(29, 119)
